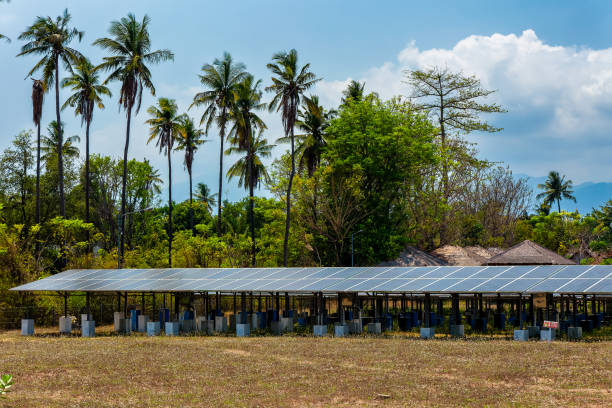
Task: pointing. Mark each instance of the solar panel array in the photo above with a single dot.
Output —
(434, 279)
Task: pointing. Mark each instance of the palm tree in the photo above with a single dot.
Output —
(164, 126)
(250, 170)
(190, 139)
(556, 188)
(50, 38)
(289, 82)
(247, 100)
(88, 92)
(50, 144)
(203, 195)
(312, 120)
(220, 80)
(38, 93)
(354, 91)
(5, 38)
(130, 47)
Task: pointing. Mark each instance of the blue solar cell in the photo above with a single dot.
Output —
(317, 285)
(465, 272)
(466, 285)
(548, 285)
(489, 272)
(493, 285)
(519, 285)
(598, 271)
(441, 272)
(441, 285)
(389, 285)
(415, 285)
(570, 271)
(578, 285)
(344, 284)
(368, 285)
(603, 286)
(541, 273)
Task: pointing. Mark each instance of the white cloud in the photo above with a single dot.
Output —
(559, 98)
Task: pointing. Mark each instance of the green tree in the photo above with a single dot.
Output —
(204, 195)
(51, 38)
(313, 119)
(38, 93)
(289, 82)
(88, 93)
(250, 170)
(165, 124)
(50, 145)
(556, 188)
(130, 47)
(15, 164)
(219, 80)
(190, 139)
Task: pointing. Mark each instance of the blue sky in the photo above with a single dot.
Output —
(551, 63)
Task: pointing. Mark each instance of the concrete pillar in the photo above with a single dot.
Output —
(220, 324)
(427, 332)
(243, 330)
(341, 330)
(457, 330)
(117, 316)
(374, 328)
(65, 324)
(171, 328)
(27, 327)
(88, 328)
(547, 334)
(319, 330)
(142, 323)
(521, 335)
(153, 328)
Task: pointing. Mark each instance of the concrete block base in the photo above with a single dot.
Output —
(276, 327)
(27, 327)
(286, 324)
(374, 328)
(319, 330)
(457, 330)
(142, 323)
(88, 328)
(220, 324)
(243, 330)
(427, 332)
(65, 324)
(355, 326)
(153, 328)
(125, 326)
(117, 316)
(341, 330)
(534, 331)
(187, 325)
(574, 333)
(202, 324)
(171, 328)
(521, 335)
(254, 319)
(547, 334)
(84, 318)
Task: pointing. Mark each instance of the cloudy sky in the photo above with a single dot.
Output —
(551, 67)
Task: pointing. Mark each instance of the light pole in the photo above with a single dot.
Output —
(353, 246)
(120, 218)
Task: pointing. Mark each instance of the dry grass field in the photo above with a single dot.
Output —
(136, 371)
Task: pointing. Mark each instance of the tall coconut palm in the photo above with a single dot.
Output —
(50, 144)
(51, 38)
(250, 170)
(164, 127)
(289, 82)
(556, 188)
(247, 101)
(189, 141)
(38, 94)
(203, 195)
(220, 80)
(313, 119)
(354, 91)
(130, 46)
(88, 93)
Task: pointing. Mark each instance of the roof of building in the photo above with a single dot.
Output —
(412, 256)
(528, 253)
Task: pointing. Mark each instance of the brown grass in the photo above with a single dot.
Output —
(137, 371)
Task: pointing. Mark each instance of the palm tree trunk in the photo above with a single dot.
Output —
(60, 160)
(559, 205)
(251, 213)
(169, 209)
(124, 181)
(288, 216)
(222, 135)
(87, 176)
(38, 174)
(191, 205)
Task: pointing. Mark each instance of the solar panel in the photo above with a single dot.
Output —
(451, 279)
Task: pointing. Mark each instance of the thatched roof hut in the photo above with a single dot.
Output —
(529, 253)
(465, 256)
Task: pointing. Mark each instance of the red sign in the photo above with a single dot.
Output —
(551, 324)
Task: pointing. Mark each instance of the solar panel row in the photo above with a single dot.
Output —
(443, 279)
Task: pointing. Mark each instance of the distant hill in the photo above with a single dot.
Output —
(589, 195)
